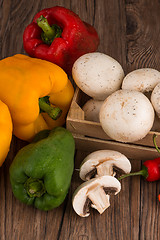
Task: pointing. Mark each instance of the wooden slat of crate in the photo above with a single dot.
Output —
(77, 124)
(129, 150)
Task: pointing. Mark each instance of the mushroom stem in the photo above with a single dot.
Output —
(100, 200)
(104, 169)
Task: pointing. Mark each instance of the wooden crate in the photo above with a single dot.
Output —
(89, 136)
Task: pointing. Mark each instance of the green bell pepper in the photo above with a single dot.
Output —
(41, 172)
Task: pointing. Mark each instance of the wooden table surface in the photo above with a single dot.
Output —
(129, 31)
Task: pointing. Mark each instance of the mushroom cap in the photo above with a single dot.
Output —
(155, 99)
(111, 160)
(97, 74)
(91, 110)
(104, 185)
(127, 116)
(142, 80)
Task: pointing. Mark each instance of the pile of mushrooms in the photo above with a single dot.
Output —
(125, 106)
(98, 170)
(120, 103)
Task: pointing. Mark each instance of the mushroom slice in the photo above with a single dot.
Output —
(104, 162)
(95, 193)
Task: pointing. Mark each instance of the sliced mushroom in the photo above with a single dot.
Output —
(104, 162)
(95, 193)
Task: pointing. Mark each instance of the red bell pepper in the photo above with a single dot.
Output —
(58, 35)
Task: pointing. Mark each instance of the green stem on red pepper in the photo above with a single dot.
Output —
(155, 144)
(53, 112)
(49, 32)
(143, 172)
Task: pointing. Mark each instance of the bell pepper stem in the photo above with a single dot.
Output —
(49, 33)
(53, 112)
(47, 29)
(34, 187)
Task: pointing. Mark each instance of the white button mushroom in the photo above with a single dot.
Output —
(155, 99)
(97, 74)
(142, 80)
(104, 162)
(91, 110)
(95, 193)
(127, 116)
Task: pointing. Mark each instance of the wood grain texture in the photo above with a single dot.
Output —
(142, 31)
(129, 31)
(118, 220)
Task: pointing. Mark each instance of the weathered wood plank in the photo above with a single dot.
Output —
(111, 25)
(128, 32)
(143, 51)
(19, 221)
(150, 219)
(142, 31)
(117, 222)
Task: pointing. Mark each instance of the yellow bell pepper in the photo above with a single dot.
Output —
(24, 82)
(5, 131)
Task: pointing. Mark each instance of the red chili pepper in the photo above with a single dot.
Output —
(58, 35)
(150, 168)
(159, 197)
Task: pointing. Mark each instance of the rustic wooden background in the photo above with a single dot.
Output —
(129, 31)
